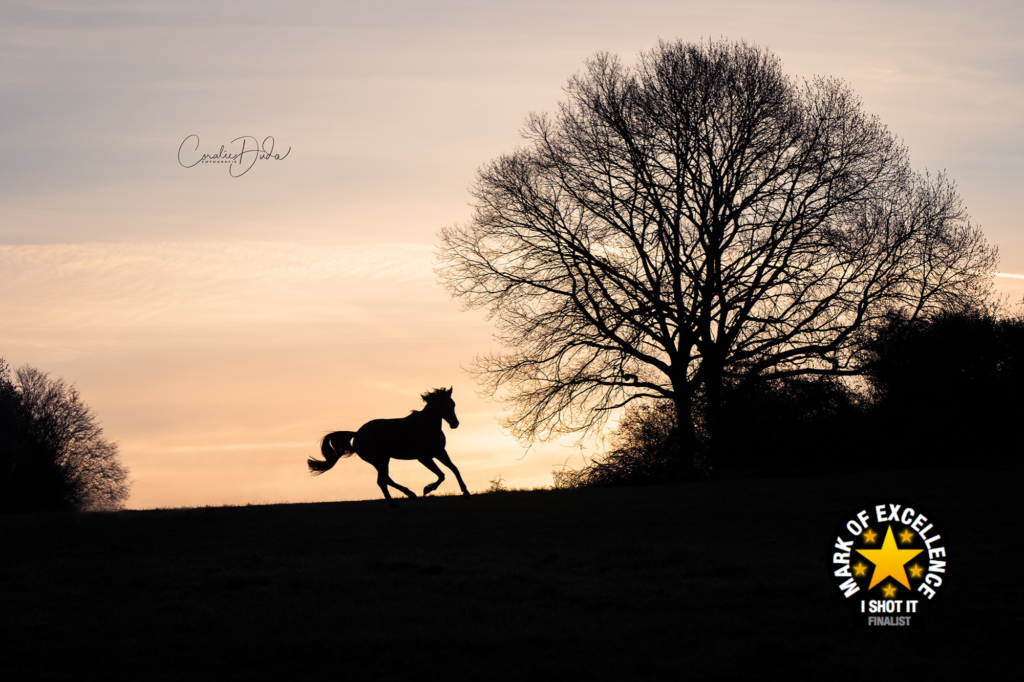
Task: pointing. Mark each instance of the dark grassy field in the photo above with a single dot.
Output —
(722, 580)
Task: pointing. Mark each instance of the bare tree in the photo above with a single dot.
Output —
(52, 453)
(696, 219)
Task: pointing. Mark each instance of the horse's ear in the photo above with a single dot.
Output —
(449, 391)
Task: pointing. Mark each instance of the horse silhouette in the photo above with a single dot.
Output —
(418, 436)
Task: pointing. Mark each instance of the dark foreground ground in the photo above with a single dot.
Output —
(723, 580)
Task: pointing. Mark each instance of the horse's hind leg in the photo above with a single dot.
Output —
(447, 461)
(384, 480)
(401, 488)
(429, 463)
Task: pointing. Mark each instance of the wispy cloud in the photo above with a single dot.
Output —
(1008, 274)
(236, 446)
(205, 261)
(70, 297)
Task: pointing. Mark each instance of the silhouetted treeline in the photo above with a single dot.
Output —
(949, 391)
(945, 391)
(52, 454)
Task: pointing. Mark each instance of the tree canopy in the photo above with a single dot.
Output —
(52, 452)
(695, 219)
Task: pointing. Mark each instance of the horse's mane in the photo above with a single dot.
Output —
(447, 392)
(434, 393)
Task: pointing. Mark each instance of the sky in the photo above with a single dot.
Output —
(218, 326)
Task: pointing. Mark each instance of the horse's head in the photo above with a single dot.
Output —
(440, 401)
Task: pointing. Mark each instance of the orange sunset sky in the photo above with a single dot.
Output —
(219, 326)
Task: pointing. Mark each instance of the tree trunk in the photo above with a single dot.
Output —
(686, 433)
(713, 409)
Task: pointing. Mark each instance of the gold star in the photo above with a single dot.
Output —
(906, 536)
(889, 560)
(869, 536)
(915, 571)
(859, 569)
(890, 590)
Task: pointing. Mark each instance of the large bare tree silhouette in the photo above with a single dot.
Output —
(696, 219)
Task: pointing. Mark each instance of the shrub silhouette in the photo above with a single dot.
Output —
(772, 427)
(791, 425)
(52, 454)
(646, 450)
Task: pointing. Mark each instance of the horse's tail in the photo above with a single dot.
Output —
(333, 447)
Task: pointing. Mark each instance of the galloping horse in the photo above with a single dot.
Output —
(418, 436)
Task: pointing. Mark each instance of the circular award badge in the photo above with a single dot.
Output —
(888, 563)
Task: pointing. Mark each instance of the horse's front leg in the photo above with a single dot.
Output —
(447, 461)
(429, 463)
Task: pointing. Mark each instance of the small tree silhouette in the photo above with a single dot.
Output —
(497, 485)
(52, 454)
